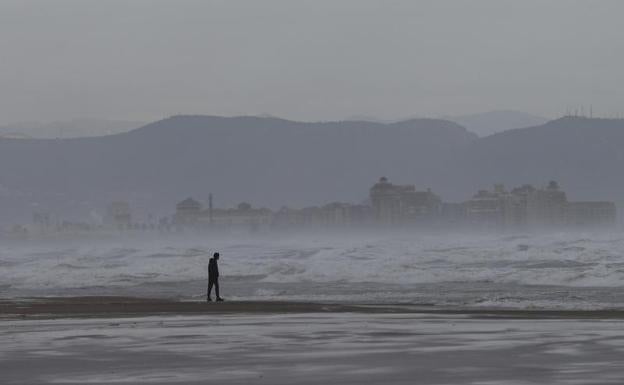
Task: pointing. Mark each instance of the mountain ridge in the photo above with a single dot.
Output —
(274, 162)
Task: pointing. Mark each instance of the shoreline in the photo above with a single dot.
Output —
(114, 307)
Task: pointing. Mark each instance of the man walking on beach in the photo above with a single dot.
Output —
(213, 277)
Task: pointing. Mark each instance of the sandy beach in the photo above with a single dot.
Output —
(114, 306)
(120, 340)
(99, 307)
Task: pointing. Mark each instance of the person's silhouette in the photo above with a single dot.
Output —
(213, 277)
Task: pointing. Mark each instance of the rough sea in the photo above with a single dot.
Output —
(546, 271)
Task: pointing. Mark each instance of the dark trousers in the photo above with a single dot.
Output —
(213, 282)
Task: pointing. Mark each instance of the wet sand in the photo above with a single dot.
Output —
(61, 307)
(310, 348)
(125, 340)
(106, 307)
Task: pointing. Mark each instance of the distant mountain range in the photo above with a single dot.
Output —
(274, 162)
(482, 124)
(584, 154)
(77, 128)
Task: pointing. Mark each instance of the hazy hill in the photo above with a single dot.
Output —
(266, 161)
(488, 123)
(585, 155)
(482, 124)
(77, 128)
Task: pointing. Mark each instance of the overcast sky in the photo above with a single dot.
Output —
(307, 60)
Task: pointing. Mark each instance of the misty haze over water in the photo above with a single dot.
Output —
(458, 106)
(553, 271)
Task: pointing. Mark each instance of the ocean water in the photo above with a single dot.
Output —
(556, 270)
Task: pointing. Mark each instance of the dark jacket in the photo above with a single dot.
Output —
(213, 269)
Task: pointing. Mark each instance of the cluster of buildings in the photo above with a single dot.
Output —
(190, 212)
(388, 205)
(527, 206)
(523, 207)
(118, 217)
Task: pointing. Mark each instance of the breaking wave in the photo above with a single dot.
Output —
(359, 268)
